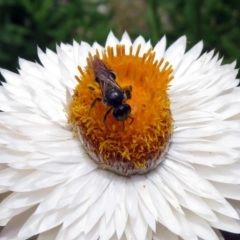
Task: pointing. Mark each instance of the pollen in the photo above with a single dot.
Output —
(138, 144)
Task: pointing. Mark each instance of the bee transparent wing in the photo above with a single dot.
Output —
(104, 76)
(105, 84)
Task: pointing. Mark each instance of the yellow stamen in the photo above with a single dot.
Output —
(139, 147)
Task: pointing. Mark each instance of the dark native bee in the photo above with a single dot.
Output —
(113, 95)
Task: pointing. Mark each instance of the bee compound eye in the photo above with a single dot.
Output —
(97, 79)
(128, 93)
(112, 74)
(122, 112)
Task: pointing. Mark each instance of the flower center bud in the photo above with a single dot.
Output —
(121, 110)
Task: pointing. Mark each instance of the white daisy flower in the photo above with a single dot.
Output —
(155, 156)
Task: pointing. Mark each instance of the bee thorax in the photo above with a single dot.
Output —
(114, 97)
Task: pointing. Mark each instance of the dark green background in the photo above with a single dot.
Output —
(26, 24)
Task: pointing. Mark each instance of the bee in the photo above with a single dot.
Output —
(113, 96)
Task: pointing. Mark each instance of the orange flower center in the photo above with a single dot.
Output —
(125, 147)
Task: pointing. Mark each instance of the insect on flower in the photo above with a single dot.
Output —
(113, 95)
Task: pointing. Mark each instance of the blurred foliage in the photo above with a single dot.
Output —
(26, 24)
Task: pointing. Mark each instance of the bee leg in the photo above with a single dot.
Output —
(106, 114)
(127, 92)
(105, 117)
(91, 88)
(94, 88)
(123, 126)
(131, 120)
(93, 104)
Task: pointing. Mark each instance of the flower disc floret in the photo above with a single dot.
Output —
(140, 146)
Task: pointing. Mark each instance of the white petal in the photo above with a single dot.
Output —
(37, 224)
(186, 230)
(165, 190)
(68, 61)
(228, 190)
(38, 180)
(48, 63)
(107, 231)
(163, 233)
(188, 58)
(93, 216)
(159, 49)
(165, 214)
(175, 52)
(142, 186)
(74, 230)
(193, 182)
(120, 218)
(200, 227)
(222, 207)
(148, 217)
(220, 174)
(112, 41)
(129, 231)
(131, 199)
(9, 176)
(7, 214)
(226, 223)
(139, 226)
(68, 49)
(198, 205)
(50, 201)
(139, 42)
(93, 234)
(12, 78)
(126, 41)
(52, 55)
(13, 227)
(235, 204)
(50, 234)
(18, 200)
